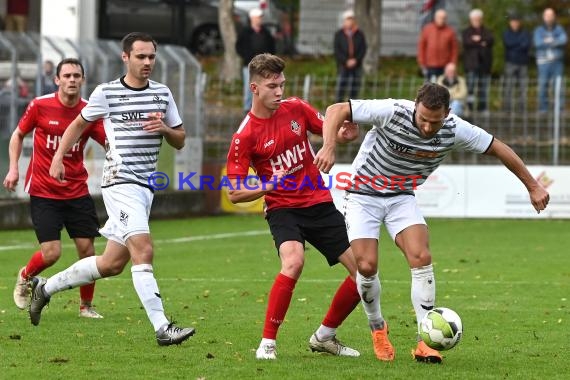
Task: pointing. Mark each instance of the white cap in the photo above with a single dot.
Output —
(348, 14)
(255, 12)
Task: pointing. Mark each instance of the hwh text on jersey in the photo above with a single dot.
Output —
(52, 142)
(289, 157)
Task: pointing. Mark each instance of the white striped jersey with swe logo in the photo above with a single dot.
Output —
(132, 152)
(394, 148)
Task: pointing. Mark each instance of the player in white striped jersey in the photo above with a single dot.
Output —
(137, 114)
(407, 143)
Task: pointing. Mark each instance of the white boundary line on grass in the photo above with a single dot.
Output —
(228, 235)
(340, 279)
(186, 239)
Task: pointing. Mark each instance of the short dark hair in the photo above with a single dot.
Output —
(69, 61)
(433, 96)
(130, 39)
(266, 65)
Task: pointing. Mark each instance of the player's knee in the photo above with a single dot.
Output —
(419, 258)
(143, 254)
(367, 268)
(293, 266)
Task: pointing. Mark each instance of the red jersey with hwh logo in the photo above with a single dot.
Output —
(48, 118)
(281, 142)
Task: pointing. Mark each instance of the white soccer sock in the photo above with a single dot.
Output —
(147, 290)
(83, 272)
(265, 341)
(369, 290)
(325, 333)
(423, 291)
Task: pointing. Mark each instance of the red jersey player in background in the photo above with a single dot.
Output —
(54, 204)
(273, 139)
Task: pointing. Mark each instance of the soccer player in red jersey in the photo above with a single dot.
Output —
(273, 139)
(56, 204)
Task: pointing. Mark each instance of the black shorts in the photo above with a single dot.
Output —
(78, 215)
(322, 225)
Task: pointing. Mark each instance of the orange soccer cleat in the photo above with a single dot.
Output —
(382, 347)
(423, 353)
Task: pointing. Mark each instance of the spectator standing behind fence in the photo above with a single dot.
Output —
(22, 89)
(457, 88)
(48, 82)
(517, 42)
(17, 15)
(478, 59)
(349, 51)
(253, 40)
(549, 41)
(437, 46)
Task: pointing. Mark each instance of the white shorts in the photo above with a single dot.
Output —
(364, 214)
(128, 206)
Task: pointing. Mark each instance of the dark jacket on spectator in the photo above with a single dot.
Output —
(251, 43)
(478, 56)
(342, 47)
(517, 46)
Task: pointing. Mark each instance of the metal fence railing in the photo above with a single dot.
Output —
(21, 59)
(538, 137)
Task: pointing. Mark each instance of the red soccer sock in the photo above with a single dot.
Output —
(277, 304)
(86, 293)
(344, 301)
(35, 266)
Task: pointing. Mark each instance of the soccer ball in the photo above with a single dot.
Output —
(441, 328)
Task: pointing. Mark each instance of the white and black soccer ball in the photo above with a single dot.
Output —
(441, 328)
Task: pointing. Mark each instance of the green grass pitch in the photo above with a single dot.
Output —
(509, 280)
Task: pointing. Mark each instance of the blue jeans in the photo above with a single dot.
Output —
(548, 72)
(247, 95)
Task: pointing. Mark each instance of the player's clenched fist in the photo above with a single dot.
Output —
(325, 159)
(539, 198)
(57, 170)
(11, 180)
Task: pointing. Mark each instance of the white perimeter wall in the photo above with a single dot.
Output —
(74, 19)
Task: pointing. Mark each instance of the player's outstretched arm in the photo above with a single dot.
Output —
(242, 192)
(335, 116)
(14, 152)
(539, 197)
(70, 137)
